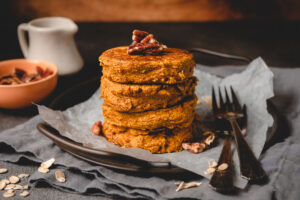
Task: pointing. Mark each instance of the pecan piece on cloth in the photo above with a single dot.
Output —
(97, 128)
(208, 138)
(145, 43)
(197, 147)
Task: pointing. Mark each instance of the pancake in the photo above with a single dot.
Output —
(172, 67)
(180, 116)
(140, 98)
(163, 141)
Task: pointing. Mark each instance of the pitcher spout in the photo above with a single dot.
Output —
(54, 24)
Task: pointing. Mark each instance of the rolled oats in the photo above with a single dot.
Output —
(212, 164)
(223, 166)
(192, 184)
(23, 175)
(18, 187)
(10, 191)
(43, 170)
(6, 181)
(2, 185)
(47, 164)
(14, 179)
(3, 170)
(24, 194)
(8, 194)
(210, 170)
(60, 176)
(180, 186)
(10, 186)
(25, 187)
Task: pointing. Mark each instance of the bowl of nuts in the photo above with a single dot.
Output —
(23, 82)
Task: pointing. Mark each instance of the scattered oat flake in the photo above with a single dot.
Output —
(212, 164)
(60, 176)
(43, 170)
(177, 182)
(191, 184)
(47, 164)
(183, 185)
(8, 194)
(3, 170)
(25, 187)
(18, 187)
(14, 179)
(223, 166)
(10, 191)
(6, 181)
(2, 185)
(24, 194)
(10, 186)
(180, 186)
(210, 170)
(23, 175)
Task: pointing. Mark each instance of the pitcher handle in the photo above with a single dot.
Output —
(22, 39)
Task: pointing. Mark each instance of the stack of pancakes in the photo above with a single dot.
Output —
(149, 100)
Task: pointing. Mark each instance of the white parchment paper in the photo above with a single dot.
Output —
(253, 87)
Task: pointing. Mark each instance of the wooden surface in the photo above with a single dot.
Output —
(157, 10)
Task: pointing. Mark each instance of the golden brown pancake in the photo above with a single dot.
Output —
(172, 67)
(140, 98)
(179, 116)
(163, 141)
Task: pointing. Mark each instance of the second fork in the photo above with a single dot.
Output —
(250, 167)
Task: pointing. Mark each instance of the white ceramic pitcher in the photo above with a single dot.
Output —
(51, 39)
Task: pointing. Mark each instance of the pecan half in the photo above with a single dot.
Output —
(138, 35)
(97, 128)
(144, 43)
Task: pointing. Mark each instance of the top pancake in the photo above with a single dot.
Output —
(172, 67)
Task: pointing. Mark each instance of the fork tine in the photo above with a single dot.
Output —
(214, 101)
(228, 103)
(235, 100)
(222, 104)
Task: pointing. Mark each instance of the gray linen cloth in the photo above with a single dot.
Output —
(281, 161)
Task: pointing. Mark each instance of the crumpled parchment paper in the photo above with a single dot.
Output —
(253, 87)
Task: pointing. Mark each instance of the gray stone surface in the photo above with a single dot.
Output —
(41, 192)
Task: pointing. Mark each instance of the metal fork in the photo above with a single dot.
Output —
(250, 167)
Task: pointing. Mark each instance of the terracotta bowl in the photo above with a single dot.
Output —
(23, 95)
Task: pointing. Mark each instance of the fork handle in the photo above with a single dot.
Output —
(222, 181)
(250, 167)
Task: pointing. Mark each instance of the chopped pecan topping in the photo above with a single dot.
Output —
(145, 43)
(138, 35)
(20, 76)
(97, 128)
